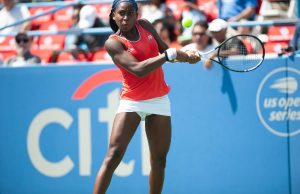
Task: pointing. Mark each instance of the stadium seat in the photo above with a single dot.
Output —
(7, 43)
(275, 47)
(210, 8)
(52, 42)
(42, 19)
(45, 55)
(101, 56)
(64, 14)
(66, 57)
(4, 55)
(280, 33)
(55, 25)
(268, 12)
(103, 11)
(35, 42)
(249, 47)
(175, 6)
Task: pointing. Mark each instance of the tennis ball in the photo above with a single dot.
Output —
(187, 22)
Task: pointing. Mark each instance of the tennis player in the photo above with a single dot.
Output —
(139, 52)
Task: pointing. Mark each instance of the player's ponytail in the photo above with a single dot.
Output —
(113, 23)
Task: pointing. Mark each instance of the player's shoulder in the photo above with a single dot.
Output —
(145, 24)
(113, 44)
(143, 21)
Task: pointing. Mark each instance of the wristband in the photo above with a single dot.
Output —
(171, 54)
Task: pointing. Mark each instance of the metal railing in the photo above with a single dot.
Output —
(58, 6)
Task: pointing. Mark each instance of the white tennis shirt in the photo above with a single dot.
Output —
(18, 12)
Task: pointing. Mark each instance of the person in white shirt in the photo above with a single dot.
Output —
(23, 57)
(201, 41)
(11, 13)
(153, 10)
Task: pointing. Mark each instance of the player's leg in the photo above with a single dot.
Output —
(158, 130)
(124, 127)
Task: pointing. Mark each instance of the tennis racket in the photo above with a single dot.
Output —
(240, 53)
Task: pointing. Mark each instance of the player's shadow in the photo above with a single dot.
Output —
(227, 88)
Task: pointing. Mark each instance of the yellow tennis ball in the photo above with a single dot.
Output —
(187, 22)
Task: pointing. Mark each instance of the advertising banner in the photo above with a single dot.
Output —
(232, 133)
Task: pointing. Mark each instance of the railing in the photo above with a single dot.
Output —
(59, 6)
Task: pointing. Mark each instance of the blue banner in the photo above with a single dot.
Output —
(232, 132)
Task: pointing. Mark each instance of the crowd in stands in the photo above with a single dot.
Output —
(211, 19)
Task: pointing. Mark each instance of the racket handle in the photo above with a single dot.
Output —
(202, 55)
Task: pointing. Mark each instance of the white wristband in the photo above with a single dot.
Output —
(171, 54)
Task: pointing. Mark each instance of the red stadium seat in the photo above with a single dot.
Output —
(35, 42)
(4, 55)
(42, 19)
(176, 7)
(249, 47)
(101, 56)
(280, 33)
(64, 14)
(52, 42)
(45, 55)
(55, 25)
(210, 8)
(66, 57)
(275, 47)
(103, 11)
(7, 43)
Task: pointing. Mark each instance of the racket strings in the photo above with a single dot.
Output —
(246, 49)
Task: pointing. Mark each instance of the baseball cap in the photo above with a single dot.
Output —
(87, 16)
(217, 25)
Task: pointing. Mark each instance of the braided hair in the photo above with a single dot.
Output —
(115, 4)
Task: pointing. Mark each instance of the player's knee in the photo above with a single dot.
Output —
(159, 162)
(113, 157)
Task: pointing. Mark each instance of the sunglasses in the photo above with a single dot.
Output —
(20, 40)
(200, 34)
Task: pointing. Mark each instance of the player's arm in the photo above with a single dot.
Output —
(140, 68)
(162, 45)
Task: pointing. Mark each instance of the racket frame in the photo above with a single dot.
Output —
(205, 54)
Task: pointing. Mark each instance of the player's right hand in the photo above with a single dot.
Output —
(194, 56)
(188, 56)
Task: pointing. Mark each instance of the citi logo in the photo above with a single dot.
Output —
(81, 122)
(278, 102)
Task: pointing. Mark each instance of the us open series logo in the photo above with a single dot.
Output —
(278, 102)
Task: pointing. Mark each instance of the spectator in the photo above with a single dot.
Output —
(24, 57)
(190, 10)
(11, 13)
(88, 19)
(236, 10)
(277, 9)
(294, 44)
(201, 41)
(219, 31)
(84, 16)
(155, 9)
(244, 29)
(166, 32)
(70, 42)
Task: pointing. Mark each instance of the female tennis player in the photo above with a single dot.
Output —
(139, 52)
